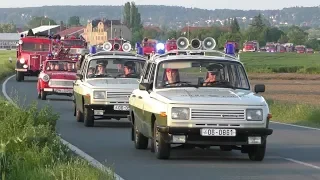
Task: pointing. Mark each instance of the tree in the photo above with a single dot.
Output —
(297, 36)
(235, 28)
(132, 19)
(39, 21)
(74, 21)
(8, 28)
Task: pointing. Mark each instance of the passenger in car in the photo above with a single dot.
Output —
(128, 68)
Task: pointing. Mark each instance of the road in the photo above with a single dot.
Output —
(292, 152)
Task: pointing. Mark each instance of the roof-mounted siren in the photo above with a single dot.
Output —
(209, 43)
(107, 46)
(182, 43)
(116, 46)
(160, 48)
(196, 43)
(93, 50)
(126, 47)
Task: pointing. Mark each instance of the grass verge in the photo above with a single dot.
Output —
(29, 145)
(293, 113)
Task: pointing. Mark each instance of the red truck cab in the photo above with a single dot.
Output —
(31, 52)
(76, 45)
(171, 45)
(251, 46)
(56, 78)
(300, 49)
(149, 46)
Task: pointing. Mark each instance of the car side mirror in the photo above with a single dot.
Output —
(259, 88)
(80, 76)
(145, 86)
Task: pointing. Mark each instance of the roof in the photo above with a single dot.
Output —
(71, 31)
(41, 29)
(9, 36)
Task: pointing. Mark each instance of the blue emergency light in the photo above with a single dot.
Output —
(160, 49)
(230, 49)
(139, 49)
(93, 50)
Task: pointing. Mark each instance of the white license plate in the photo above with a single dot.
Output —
(218, 132)
(121, 107)
(63, 90)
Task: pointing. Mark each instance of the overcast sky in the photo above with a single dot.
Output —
(203, 4)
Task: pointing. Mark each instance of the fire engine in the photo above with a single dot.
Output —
(32, 50)
(149, 46)
(251, 46)
(117, 45)
(171, 44)
(76, 45)
(57, 75)
(235, 45)
(300, 49)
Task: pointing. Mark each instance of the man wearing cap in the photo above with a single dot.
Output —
(101, 69)
(171, 76)
(128, 68)
(212, 74)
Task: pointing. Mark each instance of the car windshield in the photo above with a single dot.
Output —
(32, 46)
(69, 43)
(115, 67)
(201, 73)
(61, 65)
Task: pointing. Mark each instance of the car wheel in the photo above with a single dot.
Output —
(43, 95)
(140, 141)
(161, 148)
(88, 117)
(257, 152)
(79, 115)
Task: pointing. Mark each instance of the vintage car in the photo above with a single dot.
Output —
(56, 78)
(105, 82)
(198, 100)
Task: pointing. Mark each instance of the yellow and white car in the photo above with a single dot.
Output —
(198, 100)
(104, 84)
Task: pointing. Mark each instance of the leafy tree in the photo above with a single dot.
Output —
(74, 21)
(8, 28)
(235, 28)
(297, 36)
(273, 34)
(283, 39)
(39, 21)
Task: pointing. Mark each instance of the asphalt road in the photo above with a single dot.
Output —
(292, 152)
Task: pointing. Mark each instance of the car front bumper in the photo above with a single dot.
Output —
(58, 91)
(175, 135)
(109, 110)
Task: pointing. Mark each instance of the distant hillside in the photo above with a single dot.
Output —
(172, 16)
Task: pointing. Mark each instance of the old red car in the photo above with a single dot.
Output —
(56, 78)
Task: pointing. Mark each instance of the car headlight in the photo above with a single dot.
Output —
(45, 77)
(180, 113)
(99, 95)
(254, 114)
(22, 60)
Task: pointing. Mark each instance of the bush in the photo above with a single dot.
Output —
(30, 148)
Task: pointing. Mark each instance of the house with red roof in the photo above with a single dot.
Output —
(72, 31)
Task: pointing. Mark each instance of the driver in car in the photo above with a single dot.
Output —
(171, 77)
(212, 73)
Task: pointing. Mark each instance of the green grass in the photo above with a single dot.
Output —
(29, 145)
(281, 62)
(293, 113)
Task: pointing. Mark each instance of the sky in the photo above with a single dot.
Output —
(205, 4)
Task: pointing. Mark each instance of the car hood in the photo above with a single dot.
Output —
(210, 96)
(62, 75)
(112, 83)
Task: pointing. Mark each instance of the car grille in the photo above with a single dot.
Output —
(117, 95)
(209, 114)
(60, 83)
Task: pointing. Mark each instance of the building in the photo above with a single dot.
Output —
(49, 29)
(72, 31)
(99, 31)
(9, 40)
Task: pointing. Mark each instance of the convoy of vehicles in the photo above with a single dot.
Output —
(251, 46)
(196, 100)
(181, 96)
(76, 45)
(31, 52)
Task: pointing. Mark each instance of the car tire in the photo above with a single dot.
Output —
(257, 152)
(88, 117)
(140, 141)
(19, 76)
(43, 95)
(161, 148)
(79, 115)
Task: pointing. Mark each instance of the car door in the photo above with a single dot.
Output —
(138, 100)
(77, 88)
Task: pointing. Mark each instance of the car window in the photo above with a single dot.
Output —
(61, 65)
(201, 73)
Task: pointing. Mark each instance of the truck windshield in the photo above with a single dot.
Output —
(69, 43)
(31, 46)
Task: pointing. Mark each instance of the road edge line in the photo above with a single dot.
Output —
(298, 126)
(75, 149)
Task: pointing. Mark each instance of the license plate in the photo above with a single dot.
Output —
(218, 132)
(121, 107)
(63, 90)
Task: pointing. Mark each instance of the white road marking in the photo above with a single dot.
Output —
(293, 125)
(75, 149)
(97, 164)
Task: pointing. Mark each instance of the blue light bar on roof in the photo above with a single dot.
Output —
(230, 49)
(160, 48)
(93, 50)
(139, 49)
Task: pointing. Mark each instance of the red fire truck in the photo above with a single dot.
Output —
(300, 49)
(251, 46)
(76, 45)
(57, 75)
(149, 46)
(171, 44)
(31, 52)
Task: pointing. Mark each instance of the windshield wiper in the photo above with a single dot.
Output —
(186, 84)
(132, 75)
(223, 83)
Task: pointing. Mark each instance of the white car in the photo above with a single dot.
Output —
(104, 84)
(176, 104)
